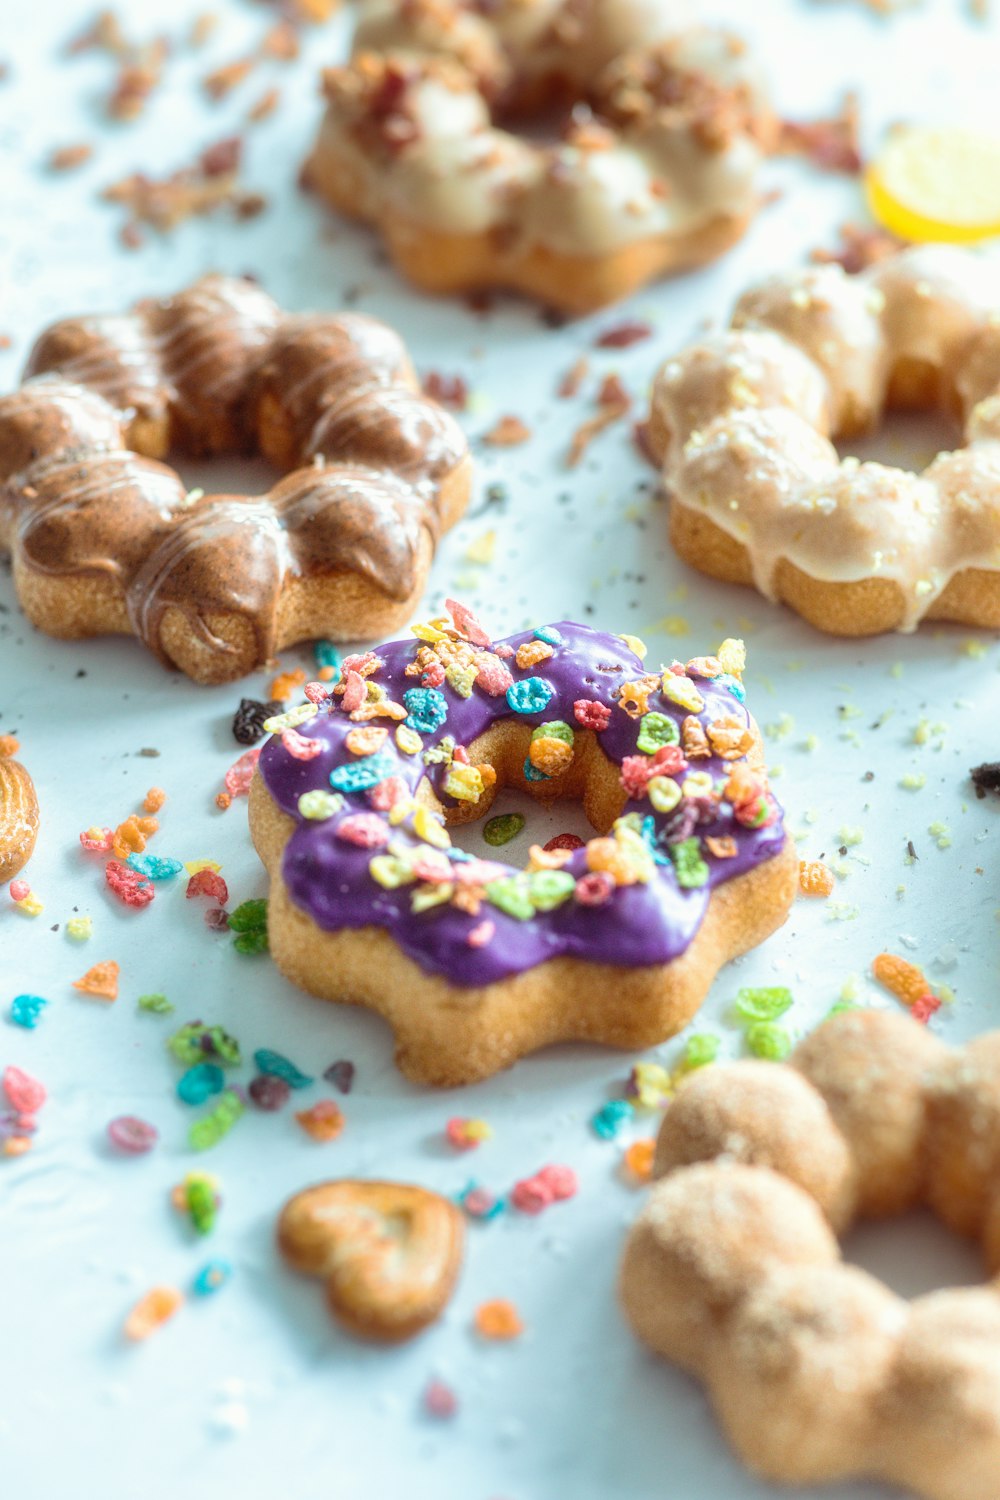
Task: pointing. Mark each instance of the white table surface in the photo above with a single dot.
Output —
(255, 1392)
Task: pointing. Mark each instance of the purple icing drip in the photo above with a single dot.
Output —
(641, 924)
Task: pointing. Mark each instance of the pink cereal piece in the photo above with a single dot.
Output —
(366, 830)
(561, 1181)
(133, 1135)
(24, 1124)
(355, 691)
(20, 890)
(97, 841)
(481, 934)
(669, 761)
(591, 714)
(493, 677)
(299, 746)
(433, 867)
(207, 883)
(240, 773)
(434, 675)
(458, 1134)
(460, 756)
(594, 888)
(923, 1008)
(531, 1195)
(366, 663)
(569, 841)
(636, 772)
(466, 622)
(316, 692)
(387, 793)
(502, 649)
(24, 1093)
(439, 1400)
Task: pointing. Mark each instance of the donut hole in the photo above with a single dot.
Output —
(913, 1254)
(227, 475)
(542, 821)
(908, 436)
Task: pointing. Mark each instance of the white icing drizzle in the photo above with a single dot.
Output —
(815, 351)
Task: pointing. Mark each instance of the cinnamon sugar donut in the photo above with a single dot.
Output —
(817, 1371)
(18, 816)
(106, 539)
(742, 423)
(473, 962)
(654, 173)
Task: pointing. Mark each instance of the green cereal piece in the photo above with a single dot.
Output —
(211, 1128)
(550, 888)
(503, 828)
(555, 729)
(251, 942)
(689, 867)
(655, 731)
(511, 895)
(769, 1041)
(249, 916)
(762, 1004)
(700, 1050)
(196, 1043)
(159, 1005)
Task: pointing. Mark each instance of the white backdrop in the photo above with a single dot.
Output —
(256, 1390)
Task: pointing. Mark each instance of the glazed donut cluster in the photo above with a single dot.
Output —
(105, 538)
(817, 1370)
(743, 421)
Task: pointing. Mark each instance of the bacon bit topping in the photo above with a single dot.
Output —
(861, 246)
(833, 144)
(211, 183)
(623, 335)
(574, 378)
(508, 432)
(614, 402)
(449, 390)
(68, 158)
(221, 81)
(265, 106)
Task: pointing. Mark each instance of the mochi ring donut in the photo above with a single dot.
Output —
(818, 1372)
(742, 423)
(654, 172)
(106, 539)
(473, 962)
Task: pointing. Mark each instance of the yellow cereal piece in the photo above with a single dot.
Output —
(408, 740)
(732, 656)
(291, 720)
(30, 905)
(79, 929)
(664, 793)
(698, 784)
(428, 630)
(193, 866)
(318, 805)
(464, 783)
(682, 691)
(427, 896)
(427, 827)
(400, 811)
(390, 871)
(462, 679)
(635, 644)
(933, 183)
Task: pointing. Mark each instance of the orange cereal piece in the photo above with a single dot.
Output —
(154, 799)
(530, 653)
(498, 1320)
(694, 741)
(609, 856)
(285, 683)
(901, 978)
(366, 741)
(15, 1145)
(323, 1122)
(729, 737)
(639, 1159)
(550, 755)
(152, 1311)
(223, 800)
(815, 878)
(101, 981)
(9, 745)
(327, 674)
(634, 696)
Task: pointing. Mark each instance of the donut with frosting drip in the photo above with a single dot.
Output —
(742, 422)
(106, 538)
(472, 961)
(651, 172)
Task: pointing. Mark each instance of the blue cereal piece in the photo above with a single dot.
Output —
(734, 685)
(26, 1010)
(211, 1278)
(427, 709)
(611, 1118)
(326, 655)
(155, 866)
(280, 1067)
(529, 696)
(200, 1083)
(549, 634)
(532, 773)
(359, 775)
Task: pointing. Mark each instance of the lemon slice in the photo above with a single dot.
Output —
(937, 183)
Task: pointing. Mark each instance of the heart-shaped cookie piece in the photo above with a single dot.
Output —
(390, 1252)
(18, 817)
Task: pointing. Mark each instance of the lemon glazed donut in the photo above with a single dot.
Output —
(473, 962)
(818, 1372)
(654, 173)
(106, 539)
(742, 423)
